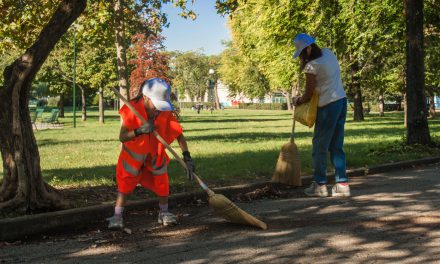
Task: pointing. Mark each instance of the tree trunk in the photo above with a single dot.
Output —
(417, 123)
(399, 103)
(381, 105)
(431, 106)
(23, 187)
(61, 105)
(288, 98)
(358, 114)
(83, 103)
(217, 100)
(121, 56)
(101, 105)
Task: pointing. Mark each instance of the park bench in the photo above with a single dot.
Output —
(39, 114)
(53, 118)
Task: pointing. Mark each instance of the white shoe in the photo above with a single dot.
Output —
(167, 218)
(316, 190)
(115, 222)
(340, 190)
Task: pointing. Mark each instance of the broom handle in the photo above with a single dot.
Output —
(292, 135)
(170, 149)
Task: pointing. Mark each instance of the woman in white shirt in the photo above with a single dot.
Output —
(322, 71)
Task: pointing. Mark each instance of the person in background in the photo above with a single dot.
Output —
(143, 160)
(322, 72)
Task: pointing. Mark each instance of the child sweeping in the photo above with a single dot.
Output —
(143, 159)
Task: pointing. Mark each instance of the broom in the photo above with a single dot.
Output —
(288, 167)
(221, 205)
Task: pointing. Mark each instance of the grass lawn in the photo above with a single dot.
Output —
(229, 147)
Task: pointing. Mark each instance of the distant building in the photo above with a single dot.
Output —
(226, 99)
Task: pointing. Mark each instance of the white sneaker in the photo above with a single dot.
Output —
(167, 218)
(115, 222)
(339, 190)
(316, 190)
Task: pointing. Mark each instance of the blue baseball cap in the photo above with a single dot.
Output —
(300, 42)
(159, 92)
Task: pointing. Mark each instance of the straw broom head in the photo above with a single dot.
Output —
(288, 168)
(228, 210)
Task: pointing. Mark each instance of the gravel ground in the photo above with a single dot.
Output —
(391, 217)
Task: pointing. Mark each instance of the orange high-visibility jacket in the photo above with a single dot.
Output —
(134, 152)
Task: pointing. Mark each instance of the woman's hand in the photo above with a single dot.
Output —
(296, 100)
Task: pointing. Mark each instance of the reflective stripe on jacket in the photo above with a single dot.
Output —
(134, 153)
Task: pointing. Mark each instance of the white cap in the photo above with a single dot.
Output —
(301, 41)
(159, 92)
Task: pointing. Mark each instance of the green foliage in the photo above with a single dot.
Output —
(369, 34)
(22, 21)
(190, 73)
(53, 101)
(263, 31)
(241, 75)
(432, 52)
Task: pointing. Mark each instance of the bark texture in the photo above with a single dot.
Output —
(101, 105)
(417, 122)
(358, 114)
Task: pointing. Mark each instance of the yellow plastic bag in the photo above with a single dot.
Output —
(306, 113)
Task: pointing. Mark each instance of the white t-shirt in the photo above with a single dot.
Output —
(328, 77)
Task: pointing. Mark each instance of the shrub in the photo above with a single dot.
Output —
(263, 106)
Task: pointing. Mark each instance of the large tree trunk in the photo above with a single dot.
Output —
(417, 123)
(101, 105)
(61, 105)
(121, 56)
(381, 105)
(23, 187)
(83, 103)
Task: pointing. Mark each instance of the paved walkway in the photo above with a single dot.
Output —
(391, 218)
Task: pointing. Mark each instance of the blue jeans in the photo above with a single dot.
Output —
(329, 137)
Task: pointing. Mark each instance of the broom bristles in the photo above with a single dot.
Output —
(288, 168)
(228, 210)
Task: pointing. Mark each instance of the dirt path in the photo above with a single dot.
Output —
(392, 217)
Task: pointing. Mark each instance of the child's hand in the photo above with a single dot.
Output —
(191, 168)
(144, 129)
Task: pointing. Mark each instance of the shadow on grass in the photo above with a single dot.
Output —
(233, 120)
(50, 142)
(247, 136)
